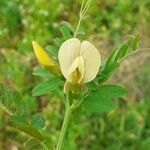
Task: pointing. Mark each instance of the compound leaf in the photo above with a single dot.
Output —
(102, 99)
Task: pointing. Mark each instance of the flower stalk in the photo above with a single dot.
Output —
(65, 124)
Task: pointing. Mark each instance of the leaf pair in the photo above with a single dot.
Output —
(24, 126)
(102, 100)
(67, 30)
(12, 102)
(34, 144)
(68, 26)
(46, 86)
(33, 128)
(112, 63)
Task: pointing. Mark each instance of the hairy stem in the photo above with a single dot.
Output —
(65, 125)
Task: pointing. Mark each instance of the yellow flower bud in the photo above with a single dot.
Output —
(44, 59)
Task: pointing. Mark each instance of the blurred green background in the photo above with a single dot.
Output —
(107, 24)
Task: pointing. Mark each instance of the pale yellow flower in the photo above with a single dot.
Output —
(79, 61)
(44, 59)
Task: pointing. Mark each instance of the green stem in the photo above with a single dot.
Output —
(134, 52)
(76, 32)
(83, 11)
(64, 126)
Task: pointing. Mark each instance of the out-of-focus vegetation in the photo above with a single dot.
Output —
(107, 23)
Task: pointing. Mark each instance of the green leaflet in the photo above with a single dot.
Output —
(118, 54)
(102, 99)
(71, 28)
(65, 32)
(58, 42)
(33, 144)
(37, 121)
(112, 63)
(42, 72)
(46, 87)
(68, 26)
(11, 101)
(133, 42)
(81, 31)
(5, 96)
(107, 72)
(52, 50)
(26, 128)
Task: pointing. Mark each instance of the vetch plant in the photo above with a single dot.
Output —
(74, 68)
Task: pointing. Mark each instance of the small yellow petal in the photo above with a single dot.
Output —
(45, 60)
(42, 55)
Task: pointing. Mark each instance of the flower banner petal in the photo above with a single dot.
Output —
(92, 61)
(69, 50)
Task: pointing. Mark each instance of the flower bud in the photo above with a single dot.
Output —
(44, 59)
